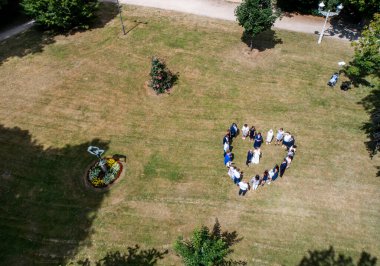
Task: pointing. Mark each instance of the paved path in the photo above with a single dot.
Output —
(16, 30)
(222, 9)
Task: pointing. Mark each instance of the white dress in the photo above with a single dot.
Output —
(270, 136)
(245, 131)
(256, 156)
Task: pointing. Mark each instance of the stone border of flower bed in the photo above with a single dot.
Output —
(89, 186)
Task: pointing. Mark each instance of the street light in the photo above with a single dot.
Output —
(327, 14)
(121, 18)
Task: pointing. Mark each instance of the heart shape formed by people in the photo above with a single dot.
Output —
(282, 138)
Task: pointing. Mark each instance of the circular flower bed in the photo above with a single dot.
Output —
(99, 178)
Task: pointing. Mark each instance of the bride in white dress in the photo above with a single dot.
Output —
(269, 136)
(256, 156)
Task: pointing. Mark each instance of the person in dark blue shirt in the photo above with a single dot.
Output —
(258, 141)
(233, 130)
(283, 166)
(249, 157)
(274, 173)
(252, 133)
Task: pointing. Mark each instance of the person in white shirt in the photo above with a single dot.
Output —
(279, 137)
(226, 147)
(236, 175)
(243, 188)
(269, 136)
(231, 172)
(244, 131)
(255, 181)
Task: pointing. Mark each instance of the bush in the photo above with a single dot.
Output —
(162, 79)
(61, 14)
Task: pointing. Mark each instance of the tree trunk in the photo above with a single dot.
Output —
(251, 46)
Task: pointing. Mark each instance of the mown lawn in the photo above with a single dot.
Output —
(65, 92)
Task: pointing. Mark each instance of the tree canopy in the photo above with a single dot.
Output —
(61, 14)
(366, 60)
(255, 16)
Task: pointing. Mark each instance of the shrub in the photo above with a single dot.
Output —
(61, 14)
(162, 79)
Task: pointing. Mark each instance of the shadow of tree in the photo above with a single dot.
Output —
(263, 41)
(371, 104)
(343, 29)
(34, 40)
(327, 257)
(230, 238)
(45, 211)
(135, 256)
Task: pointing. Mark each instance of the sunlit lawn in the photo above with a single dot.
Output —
(92, 85)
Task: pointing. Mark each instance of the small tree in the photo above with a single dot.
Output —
(206, 248)
(366, 59)
(162, 79)
(255, 16)
(61, 14)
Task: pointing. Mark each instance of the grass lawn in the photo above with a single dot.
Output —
(60, 94)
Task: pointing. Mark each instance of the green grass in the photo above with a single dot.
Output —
(89, 88)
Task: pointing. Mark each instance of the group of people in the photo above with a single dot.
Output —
(253, 156)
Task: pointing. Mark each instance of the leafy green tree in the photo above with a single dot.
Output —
(365, 8)
(61, 14)
(255, 16)
(366, 59)
(207, 248)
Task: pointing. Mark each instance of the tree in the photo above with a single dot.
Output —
(61, 14)
(366, 59)
(365, 8)
(255, 16)
(206, 248)
(3, 3)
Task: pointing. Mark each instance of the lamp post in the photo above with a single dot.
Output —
(327, 14)
(121, 18)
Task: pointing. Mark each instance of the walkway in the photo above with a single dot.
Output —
(222, 9)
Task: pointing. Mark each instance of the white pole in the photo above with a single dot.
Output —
(324, 27)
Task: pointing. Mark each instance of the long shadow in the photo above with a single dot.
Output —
(343, 29)
(327, 257)
(263, 41)
(371, 104)
(34, 40)
(45, 211)
(135, 256)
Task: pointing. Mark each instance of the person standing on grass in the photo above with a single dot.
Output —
(226, 139)
(269, 137)
(227, 158)
(234, 130)
(279, 137)
(273, 174)
(255, 181)
(249, 157)
(258, 141)
(288, 140)
(236, 176)
(283, 167)
(256, 156)
(243, 188)
(265, 178)
(289, 160)
(226, 147)
(292, 150)
(244, 131)
(252, 133)
(231, 170)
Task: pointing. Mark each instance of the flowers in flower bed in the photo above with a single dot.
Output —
(98, 178)
(162, 79)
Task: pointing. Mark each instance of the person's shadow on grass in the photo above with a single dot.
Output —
(46, 213)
